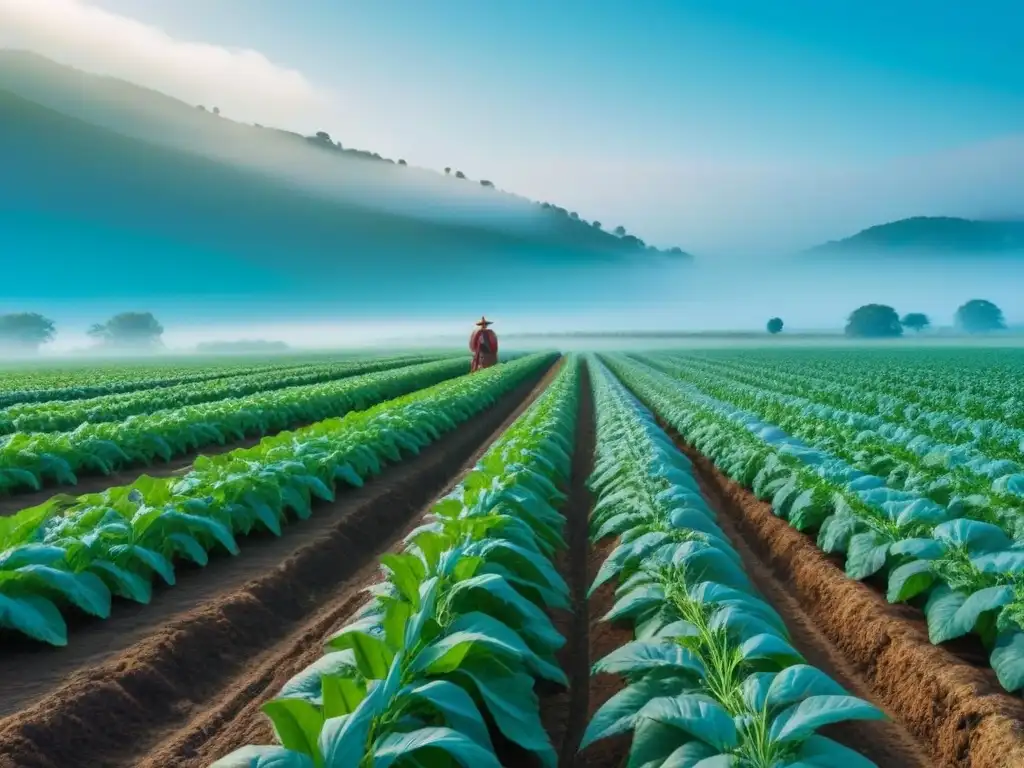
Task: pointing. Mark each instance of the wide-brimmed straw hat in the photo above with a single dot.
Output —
(483, 322)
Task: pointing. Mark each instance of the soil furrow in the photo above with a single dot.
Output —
(956, 713)
(152, 685)
(564, 713)
(233, 718)
(603, 638)
(887, 744)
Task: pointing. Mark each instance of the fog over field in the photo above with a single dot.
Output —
(131, 199)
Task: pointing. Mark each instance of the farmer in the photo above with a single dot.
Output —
(484, 346)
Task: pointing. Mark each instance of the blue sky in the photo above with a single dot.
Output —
(674, 118)
(736, 129)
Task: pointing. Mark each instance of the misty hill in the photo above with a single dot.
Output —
(144, 134)
(933, 235)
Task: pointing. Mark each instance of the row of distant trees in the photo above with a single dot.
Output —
(27, 331)
(879, 321)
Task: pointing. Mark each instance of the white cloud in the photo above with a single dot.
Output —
(241, 82)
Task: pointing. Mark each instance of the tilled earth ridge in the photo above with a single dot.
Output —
(564, 711)
(955, 711)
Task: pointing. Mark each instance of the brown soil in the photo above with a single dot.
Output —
(887, 744)
(945, 711)
(179, 682)
(603, 638)
(564, 712)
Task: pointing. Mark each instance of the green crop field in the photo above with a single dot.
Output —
(774, 557)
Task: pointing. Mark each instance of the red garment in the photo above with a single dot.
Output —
(484, 346)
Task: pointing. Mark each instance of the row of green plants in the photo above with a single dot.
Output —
(894, 415)
(39, 386)
(442, 659)
(712, 678)
(59, 416)
(978, 384)
(960, 477)
(78, 552)
(28, 460)
(967, 575)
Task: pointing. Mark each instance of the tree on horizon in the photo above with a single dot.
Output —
(129, 330)
(916, 321)
(980, 316)
(874, 321)
(25, 331)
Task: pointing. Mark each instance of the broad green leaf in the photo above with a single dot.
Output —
(455, 706)
(30, 554)
(802, 720)
(940, 611)
(769, 647)
(909, 580)
(635, 603)
(1009, 562)
(990, 599)
(1008, 659)
(396, 617)
(653, 742)
(866, 555)
(510, 699)
(619, 714)
(84, 590)
(836, 532)
(689, 755)
(977, 536)
(920, 549)
(123, 582)
(755, 689)
(340, 695)
(460, 747)
(297, 724)
(638, 657)
(264, 757)
(406, 572)
(799, 682)
(307, 683)
(373, 657)
(535, 623)
(700, 718)
(33, 616)
(821, 752)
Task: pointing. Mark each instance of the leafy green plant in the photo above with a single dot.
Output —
(118, 540)
(712, 678)
(456, 628)
(56, 416)
(27, 460)
(968, 573)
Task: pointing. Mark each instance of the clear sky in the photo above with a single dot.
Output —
(733, 126)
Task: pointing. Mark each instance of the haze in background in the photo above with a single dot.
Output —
(742, 134)
(729, 127)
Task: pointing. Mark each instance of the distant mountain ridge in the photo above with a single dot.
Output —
(139, 113)
(933, 235)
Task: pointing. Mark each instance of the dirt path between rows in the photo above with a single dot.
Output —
(179, 683)
(564, 712)
(946, 713)
(887, 744)
(602, 638)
